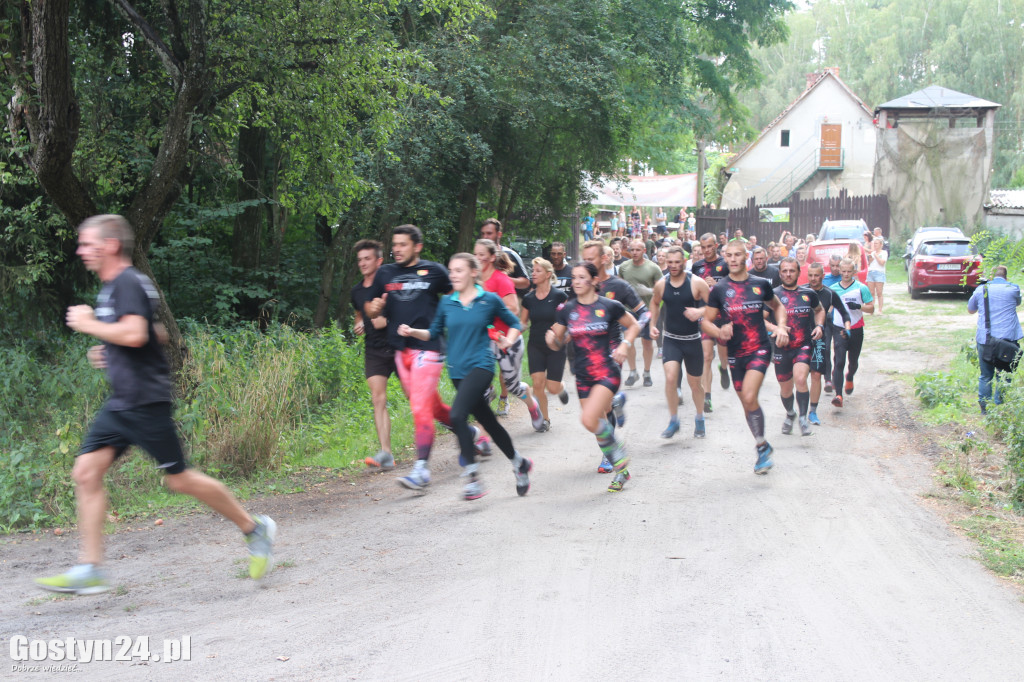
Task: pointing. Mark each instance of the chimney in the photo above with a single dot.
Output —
(834, 70)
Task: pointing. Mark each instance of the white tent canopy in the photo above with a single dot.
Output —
(640, 190)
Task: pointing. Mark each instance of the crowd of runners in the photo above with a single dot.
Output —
(682, 298)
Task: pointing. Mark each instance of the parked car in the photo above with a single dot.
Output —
(843, 229)
(822, 251)
(950, 264)
(923, 233)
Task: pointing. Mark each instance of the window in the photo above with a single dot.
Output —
(785, 138)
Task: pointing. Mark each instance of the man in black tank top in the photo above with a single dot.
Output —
(683, 297)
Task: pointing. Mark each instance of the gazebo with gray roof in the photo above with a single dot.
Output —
(937, 102)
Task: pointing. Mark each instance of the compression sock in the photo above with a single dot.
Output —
(605, 437)
(802, 398)
(755, 420)
(787, 402)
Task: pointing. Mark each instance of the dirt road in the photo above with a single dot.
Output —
(828, 568)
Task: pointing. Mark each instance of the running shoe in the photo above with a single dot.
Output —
(546, 426)
(805, 427)
(764, 459)
(787, 423)
(829, 388)
(383, 461)
(82, 579)
(812, 417)
(619, 481)
(672, 429)
(707, 404)
(522, 473)
(698, 428)
(261, 544)
(725, 376)
(536, 417)
(418, 478)
(838, 400)
(563, 397)
(605, 467)
(632, 378)
(849, 387)
(619, 408)
(481, 442)
(474, 490)
(647, 379)
(502, 407)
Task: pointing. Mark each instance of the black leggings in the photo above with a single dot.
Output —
(469, 399)
(847, 349)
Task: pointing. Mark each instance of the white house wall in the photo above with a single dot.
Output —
(765, 164)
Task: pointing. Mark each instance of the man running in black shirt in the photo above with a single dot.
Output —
(805, 318)
(761, 268)
(491, 229)
(711, 268)
(682, 295)
(407, 292)
(563, 271)
(821, 358)
(739, 300)
(138, 411)
(378, 356)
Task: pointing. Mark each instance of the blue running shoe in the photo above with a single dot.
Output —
(764, 459)
(698, 428)
(812, 417)
(605, 467)
(672, 429)
(619, 408)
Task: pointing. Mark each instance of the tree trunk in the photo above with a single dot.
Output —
(467, 218)
(331, 240)
(247, 236)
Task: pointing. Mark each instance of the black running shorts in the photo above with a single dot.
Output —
(611, 383)
(785, 358)
(543, 359)
(150, 427)
(758, 362)
(689, 353)
(378, 363)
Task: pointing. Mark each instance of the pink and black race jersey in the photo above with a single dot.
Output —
(716, 268)
(742, 303)
(594, 329)
(800, 304)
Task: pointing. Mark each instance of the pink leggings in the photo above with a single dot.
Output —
(419, 372)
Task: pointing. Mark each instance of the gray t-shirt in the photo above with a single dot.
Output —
(138, 376)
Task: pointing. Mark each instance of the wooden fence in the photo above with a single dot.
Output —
(805, 216)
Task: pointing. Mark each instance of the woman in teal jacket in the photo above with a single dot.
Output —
(467, 315)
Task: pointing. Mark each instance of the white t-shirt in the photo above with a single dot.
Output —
(874, 265)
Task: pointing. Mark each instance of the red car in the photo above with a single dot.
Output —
(948, 264)
(822, 251)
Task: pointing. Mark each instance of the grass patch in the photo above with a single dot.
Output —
(1001, 550)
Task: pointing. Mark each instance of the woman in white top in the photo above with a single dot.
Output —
(877, 257)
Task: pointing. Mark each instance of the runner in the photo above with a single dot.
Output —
(467, 315)
(739, 299)
(546, 366)
(858, 301)
(761, 268)
(406, 292)
(491, 229)
(711, 268)
(806, 320)
(594, 324)
(682, 295)
(821, 353)
(138, 411)
(563, 271)
(642, 275)
(378, 356)
(493, 274)
(616, 289)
